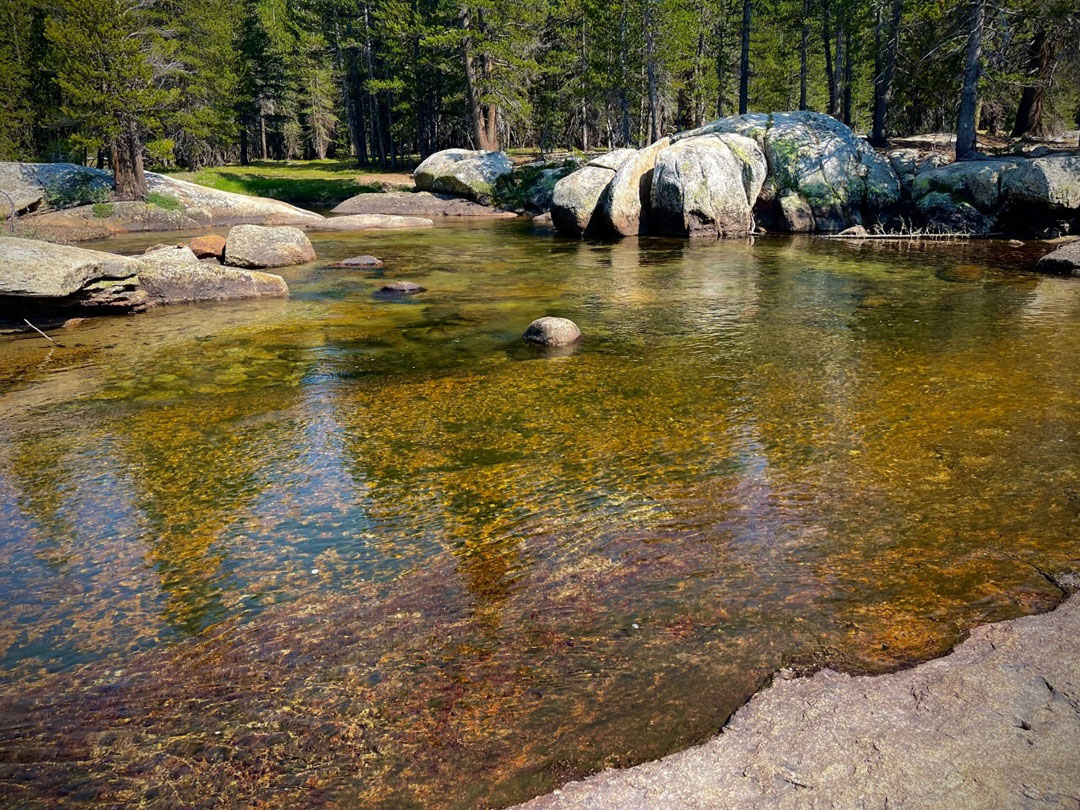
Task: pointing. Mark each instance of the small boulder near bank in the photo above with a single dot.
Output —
(577, 196)
(399, 289)
(1064, 260)
(369, 222)
(462, 172)
(211, 246)
(551, 331)
(255, 246)
(176, 276)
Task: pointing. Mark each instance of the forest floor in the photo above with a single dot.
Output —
(300, 182)
(993, 724)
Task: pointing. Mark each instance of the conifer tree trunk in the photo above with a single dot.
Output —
(744, 60)
(803, 54)
(830, 74)
(655, 128)
(1040, 65)
(624, 79)
(886, 70)
(125, 154)
(966, 138)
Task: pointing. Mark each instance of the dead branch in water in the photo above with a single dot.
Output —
(39, 331)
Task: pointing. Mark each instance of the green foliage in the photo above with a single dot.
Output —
(166, 202)
(103, 210)
(82, 188)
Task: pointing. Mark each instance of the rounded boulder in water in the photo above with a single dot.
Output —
(551, 331)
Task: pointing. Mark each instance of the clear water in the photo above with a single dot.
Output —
(337, 551)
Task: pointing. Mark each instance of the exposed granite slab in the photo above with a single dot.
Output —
(994, 724)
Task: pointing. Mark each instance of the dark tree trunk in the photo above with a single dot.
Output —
(886, 70)
(1029, 115)
(481, 119)
(804, 48)
(744, 59)
(966, 138)
(624, 80)
(655, 127)
(125, 154)
(830, 74)
(721, 68)
(849, 70)
(244, 159)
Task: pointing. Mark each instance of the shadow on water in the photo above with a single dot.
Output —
(332, 550)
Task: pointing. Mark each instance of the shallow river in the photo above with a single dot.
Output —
(336, 551)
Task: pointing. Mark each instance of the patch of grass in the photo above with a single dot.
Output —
(103, 210)
(166, 202)
(301, 182)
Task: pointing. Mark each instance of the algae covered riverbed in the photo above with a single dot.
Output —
(339, 551)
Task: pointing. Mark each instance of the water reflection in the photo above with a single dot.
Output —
(384, 555)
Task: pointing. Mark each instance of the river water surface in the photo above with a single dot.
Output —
(344, 552)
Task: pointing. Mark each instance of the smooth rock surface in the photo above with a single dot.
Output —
(463, 172)
(35, 269)
(576, 197)
(843, 180)
(369, 222)
(400, 288)
(176, 276)
(625, 205)
(417, 204)
(256, 246)
(995, 724)
(360, 261)
(1065, 259)
(706, 186)
(211, 246)
(552, 331)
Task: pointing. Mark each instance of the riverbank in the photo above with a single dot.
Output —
(993, 724)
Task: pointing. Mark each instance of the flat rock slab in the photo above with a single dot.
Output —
(360, 261)
(370, 222)
(1063, 260)
(417, 204)
(31, 268)
(994, 724)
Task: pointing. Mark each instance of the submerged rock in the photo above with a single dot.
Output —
(552, 331)
(706, 186)
(397, 289)
(211, 246)
(1065, 259)
(256, 246)
(360, 261)
(417, 204)
(841, 178)
(576, 197)
(463, 172)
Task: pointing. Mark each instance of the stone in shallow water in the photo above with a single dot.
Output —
(550, 331)
(360, 261)
(397, 288)
(211, 246)
(1063, 260)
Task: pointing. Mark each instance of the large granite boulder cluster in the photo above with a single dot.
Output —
(1038, 196)
(798, 171)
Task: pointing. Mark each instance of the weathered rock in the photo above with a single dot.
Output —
(35, 269)
(360, 261)
(993, 724)
(176, 276)
(211, 246)
(551, 331)
(208, 206)
(1050, 182)
(706, 186)
(854, 230)
(417, 204)
(27, 184)
(947, 213)
(843, 180)
(369, 222)
(625, 204)
(462, 172)
(88, 222)
(577, 196)
(1065, 259)
(255, 246)
(400, 288)
(794, 212)
(543, 220)
(542, 190)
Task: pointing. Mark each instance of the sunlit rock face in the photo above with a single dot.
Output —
(842, 180)
(706, 186)
(254, 246)
(576, 199)
(463, 172)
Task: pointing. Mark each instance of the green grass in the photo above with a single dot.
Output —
(301, 182)
(166, 202)
(103, 210)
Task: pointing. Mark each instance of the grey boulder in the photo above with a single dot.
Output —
(176, 276)
(257, 246)
(1065, 259)
(576, 197)
(417, 204)
(552, 331)
(462, 172)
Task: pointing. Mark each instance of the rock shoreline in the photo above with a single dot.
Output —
(995, 723)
